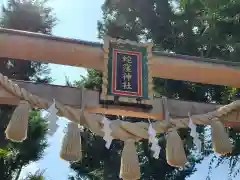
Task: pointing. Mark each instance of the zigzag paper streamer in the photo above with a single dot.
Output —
(194, 134)
(154, 142)
(52, 118)
(107, 132)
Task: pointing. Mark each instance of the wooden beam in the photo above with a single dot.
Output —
(195, 71)
(123, 110)
(77, 98)
(44, 48)
(31, 46)
(72, 97)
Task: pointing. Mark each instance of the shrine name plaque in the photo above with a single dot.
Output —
(127, 75)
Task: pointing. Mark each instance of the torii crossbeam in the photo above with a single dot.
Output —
(38, 47)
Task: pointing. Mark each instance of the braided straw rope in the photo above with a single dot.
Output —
(120, 129)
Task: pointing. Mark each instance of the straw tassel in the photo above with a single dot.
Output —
(18, 125)
(175, 153)
(220, 140)
(130, 169)
(71, 145)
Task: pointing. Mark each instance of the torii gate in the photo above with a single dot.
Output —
(31, 46)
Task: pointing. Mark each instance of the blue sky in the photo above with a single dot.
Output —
(78, 19)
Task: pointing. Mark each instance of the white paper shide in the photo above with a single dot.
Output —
(52, 118)
(107, 132)
(153, 140)
(194, 134)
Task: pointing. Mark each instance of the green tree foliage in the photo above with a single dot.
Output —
(33, 16)
(219, 19)
(190, 27)
(92, 81)
(15, 156)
